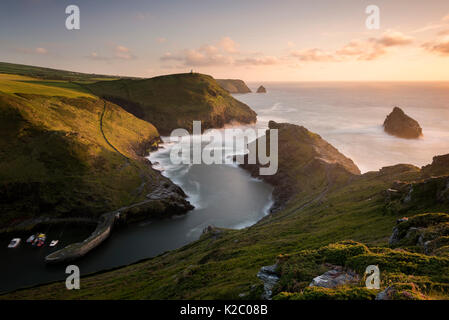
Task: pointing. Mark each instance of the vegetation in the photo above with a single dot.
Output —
(174, 101)
(55, 159)
(50, 74)
(333, 216)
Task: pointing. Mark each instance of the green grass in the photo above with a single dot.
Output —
(27, 85)
(54, 158)
(174, 101)
(50, 74)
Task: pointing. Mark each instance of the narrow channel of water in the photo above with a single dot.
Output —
(224, 195)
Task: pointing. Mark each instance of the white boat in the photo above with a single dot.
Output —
(31, 238)
(14, 243)
(53, 243)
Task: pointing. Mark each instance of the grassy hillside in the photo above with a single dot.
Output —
(65, 152)
(174, 101)
(50, 74)
(224, 263)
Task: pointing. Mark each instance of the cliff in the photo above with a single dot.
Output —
(306, 164)
(234, 85)
(67, 153)
(174, 101)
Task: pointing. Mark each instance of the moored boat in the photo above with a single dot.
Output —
(31, 238)
(14, 243)
(54, 243)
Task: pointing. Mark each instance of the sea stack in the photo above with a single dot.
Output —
(401, 125)
(261, 89)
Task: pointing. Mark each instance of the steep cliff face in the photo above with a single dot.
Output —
(307, 164)
(234, 85)
(401, 125)
(174, 101)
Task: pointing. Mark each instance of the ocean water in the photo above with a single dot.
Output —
(350, 117)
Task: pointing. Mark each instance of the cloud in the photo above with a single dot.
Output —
(38, 50)
(313, 55)
(441, 48)
(161, 40)
(218, 54)
(229, 45)
(119, 52)
(393, 38)
(96, 56)
(122, 52)
(258, 61)
(362, 50)
(445, 18)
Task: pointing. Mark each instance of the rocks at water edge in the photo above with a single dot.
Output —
(401, 125)
(307, 165)
(261, 89)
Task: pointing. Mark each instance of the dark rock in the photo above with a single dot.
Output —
(386, 294)
(261, 89)
(401, 125)
(270, 277)
(438, 167)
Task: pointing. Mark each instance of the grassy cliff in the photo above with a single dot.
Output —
(234, 85)
(65, 152)
(174, 101)
(301, 238)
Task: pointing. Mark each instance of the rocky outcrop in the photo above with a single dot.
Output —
(306, 164)
(261, 89)
(335, 277)
(422, 194)
(438, 167)
(401, 125)
(428, 232)
(270, 278)
(234, 85)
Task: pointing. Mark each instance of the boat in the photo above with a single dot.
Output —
(31, 238)
(54, 243)
(40, 241)
(14, 243)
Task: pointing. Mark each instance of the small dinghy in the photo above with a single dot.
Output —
(54, 243)
(14, 243)
(31, 238)
(40, 241)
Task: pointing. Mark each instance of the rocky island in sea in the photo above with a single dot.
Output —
(261, 89)
(401, 125)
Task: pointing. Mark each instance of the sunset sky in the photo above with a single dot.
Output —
(251, 40)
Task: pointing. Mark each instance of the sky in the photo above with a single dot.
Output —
(282, 40)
